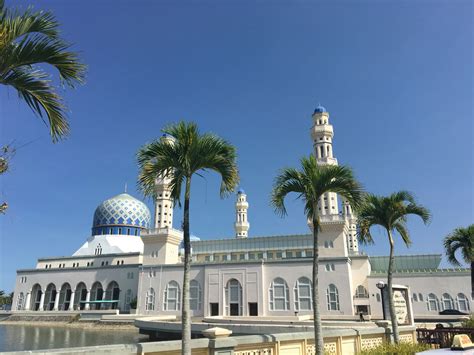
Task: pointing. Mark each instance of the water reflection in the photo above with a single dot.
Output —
(29, 337)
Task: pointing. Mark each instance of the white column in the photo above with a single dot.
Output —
(88, 298)
(71, 302)
(56, 302)
(27, 302)
(41, 302)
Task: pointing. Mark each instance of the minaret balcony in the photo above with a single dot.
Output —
(326, 161)
(322, 130)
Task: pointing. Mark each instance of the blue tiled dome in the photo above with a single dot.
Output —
(120, 210)
(319, 109)
(241, 191)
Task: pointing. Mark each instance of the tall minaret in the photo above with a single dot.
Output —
(164, 202)
(322, 133)
(241, 222)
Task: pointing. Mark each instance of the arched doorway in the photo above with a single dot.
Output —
(233, 298)
(80, 296)
(49, 297)
(97, 293)
(65, 297)
(112, 294)
(36, 293)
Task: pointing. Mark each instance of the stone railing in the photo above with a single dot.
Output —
(218, 342)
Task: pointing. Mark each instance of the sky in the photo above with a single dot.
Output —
(395, 76)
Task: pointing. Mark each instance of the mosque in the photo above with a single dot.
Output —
(127, 259)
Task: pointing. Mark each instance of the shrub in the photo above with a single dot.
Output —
(468, 323)
(133, 303)
(393, 349)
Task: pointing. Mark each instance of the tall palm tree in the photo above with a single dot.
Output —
(29, 41)
(461, 239)
(391, 213)
(188, 153)
(310, 183)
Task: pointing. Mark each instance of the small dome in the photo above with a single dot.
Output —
(319, 109)
(241, 191)
(120, 210)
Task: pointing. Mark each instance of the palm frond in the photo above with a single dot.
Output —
(45, 50)
(401, 228)
(188, 152)
(33, 87)
(461, 239)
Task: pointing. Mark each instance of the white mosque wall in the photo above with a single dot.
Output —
(456, 284)
(27, 282)
(111, 244)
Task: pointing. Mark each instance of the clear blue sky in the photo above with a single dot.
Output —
(396, 77)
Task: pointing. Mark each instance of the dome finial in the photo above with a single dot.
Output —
(125, 188)
(319, 109)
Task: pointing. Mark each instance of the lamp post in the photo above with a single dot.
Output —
(381, 285)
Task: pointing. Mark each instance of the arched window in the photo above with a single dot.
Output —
(448, 302)
(65, 297)
(195, 295)
(420, 297)
(233, 298)
(279, 295)
(303, 294)
(49, 298)
(98, 249)
(463, 302)
(377, 296)
(97, 293)
(361, 292)
(172, 297)
(128, 299)
(415, 297)
(112, 293)
(20, 301)
(150, 299)
(332, 296)
(432, 302)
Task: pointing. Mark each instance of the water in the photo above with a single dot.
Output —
(15, 337)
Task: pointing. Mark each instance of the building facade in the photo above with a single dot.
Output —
(127, 258)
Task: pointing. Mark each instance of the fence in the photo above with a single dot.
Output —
(441, 337)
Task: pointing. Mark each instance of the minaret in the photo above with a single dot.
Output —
(164, 202)
(322, 134)
(241, 222)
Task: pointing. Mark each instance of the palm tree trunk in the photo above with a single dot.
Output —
(472, 279)
(318, 334)
(391, 305)
(185, 318)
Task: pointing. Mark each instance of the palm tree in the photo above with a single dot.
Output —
(310, 184)
(461, 239)
(391, 213)
(187, 153)
(28, 41)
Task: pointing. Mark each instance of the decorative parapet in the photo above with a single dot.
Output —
(337, 342)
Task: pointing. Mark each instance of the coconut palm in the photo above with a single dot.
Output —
(29, 43)
(391, 213)
(461, 239)
(310, 183)
(186, 154)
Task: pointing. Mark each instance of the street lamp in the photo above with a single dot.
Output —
(381, 285)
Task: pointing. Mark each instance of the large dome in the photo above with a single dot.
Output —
(121, 211)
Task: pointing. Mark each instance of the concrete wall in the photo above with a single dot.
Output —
(337, 342)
